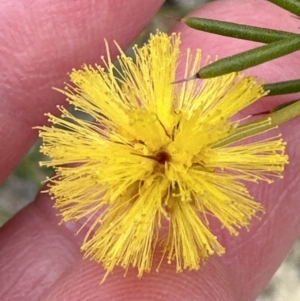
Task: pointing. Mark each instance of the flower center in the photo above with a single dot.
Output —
(162, 157)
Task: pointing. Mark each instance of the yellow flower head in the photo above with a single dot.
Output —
(149, 171)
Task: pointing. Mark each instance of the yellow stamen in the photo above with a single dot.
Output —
(157, 155)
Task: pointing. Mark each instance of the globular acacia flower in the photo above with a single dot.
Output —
(149, 170)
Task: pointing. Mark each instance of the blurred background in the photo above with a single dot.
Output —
(26, 180)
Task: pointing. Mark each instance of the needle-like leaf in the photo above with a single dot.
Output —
(290, 5)
(240, 31)
(250, 58)
(291, 86)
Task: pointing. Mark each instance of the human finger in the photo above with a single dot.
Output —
(40, 43)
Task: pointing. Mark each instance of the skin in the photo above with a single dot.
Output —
(40, 260)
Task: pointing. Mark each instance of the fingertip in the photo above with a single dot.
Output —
(253, 257)
(210, 283)
(40, 43)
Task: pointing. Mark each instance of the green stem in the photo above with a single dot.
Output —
(291, 86)
(290, 5)
(240, 31)
(250, 58)
(261, 125)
